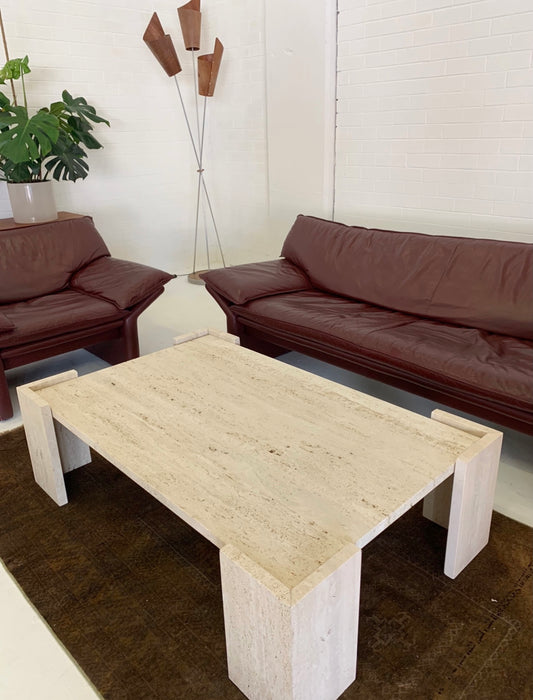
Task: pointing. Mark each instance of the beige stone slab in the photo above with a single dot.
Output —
(287, 473)
(53, 449)
(199, 333)
(299, 644)
(285, 466)
(72, 451)
(437, 503)
(472, 496)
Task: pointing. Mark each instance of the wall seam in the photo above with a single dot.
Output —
(336, 73)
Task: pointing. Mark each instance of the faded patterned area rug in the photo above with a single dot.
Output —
(134, 595)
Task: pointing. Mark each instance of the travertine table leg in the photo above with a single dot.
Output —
(470, 500)
(53, 449)
(291, 644)
(193, 335)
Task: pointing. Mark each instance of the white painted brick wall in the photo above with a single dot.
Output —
(434, 125)
(435, 116)
(141, 187)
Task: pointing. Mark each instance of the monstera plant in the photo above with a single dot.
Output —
(50, 142)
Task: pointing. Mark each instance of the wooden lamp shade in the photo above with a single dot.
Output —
(208, 66)
(160, 44)
(190, 19)
(154, 30)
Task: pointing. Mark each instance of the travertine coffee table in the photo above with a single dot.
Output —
(289, 474)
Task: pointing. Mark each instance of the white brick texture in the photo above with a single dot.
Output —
(435, 116)
(141, 188)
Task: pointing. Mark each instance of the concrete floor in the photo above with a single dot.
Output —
(32, 663)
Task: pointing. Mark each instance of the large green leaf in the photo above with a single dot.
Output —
(67, 160)
(58, 110)
(27, 138)
(13, 69)
(20, 172)
(79, 133)
(78, 107)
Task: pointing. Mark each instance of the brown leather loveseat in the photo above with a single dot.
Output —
(60, 290)
(447, 318)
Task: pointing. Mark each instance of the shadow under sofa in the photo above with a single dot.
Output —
(448, 318)
(60, 290)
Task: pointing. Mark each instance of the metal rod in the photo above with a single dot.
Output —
(198, 162)
(196, 95)
(204, 185)
(207, 196)
(196, 220)
(201, 178)
(187, 121)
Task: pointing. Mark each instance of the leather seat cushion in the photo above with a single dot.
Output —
(488, 364)
(55, 314)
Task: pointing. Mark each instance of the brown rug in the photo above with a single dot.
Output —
(134, 594)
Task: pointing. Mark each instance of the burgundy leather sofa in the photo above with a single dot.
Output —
(447, 318)
(60, 290)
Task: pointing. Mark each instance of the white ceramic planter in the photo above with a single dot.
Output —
(32, 202)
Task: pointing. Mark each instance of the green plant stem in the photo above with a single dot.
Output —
(24, 89)
(7, 57)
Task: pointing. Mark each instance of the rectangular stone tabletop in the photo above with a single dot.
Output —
(285, 466)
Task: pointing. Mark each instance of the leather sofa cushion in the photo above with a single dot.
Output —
(481, 283)
(497, 366)
(5, 323)
(120, 282)
(55, 314)
(241, 283)
(40, 259)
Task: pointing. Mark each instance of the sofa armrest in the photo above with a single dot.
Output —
(6, 324)
(121, 282)
(242, 283)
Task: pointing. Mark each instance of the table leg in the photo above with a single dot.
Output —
(472, 495)
(193, 335)
(291, 643)
(437, 503)
(53, 449)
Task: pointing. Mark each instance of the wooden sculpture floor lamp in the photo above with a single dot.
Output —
(205, 73)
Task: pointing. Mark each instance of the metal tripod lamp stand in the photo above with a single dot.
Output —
(205, 73)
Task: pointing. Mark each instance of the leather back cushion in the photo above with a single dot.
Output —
(40, 259)
(481, 283)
